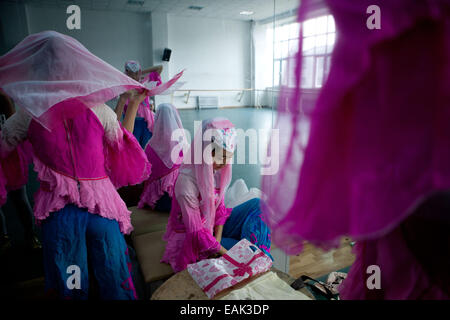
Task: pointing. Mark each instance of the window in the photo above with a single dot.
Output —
(318, 40)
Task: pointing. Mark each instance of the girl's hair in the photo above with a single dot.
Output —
(6, 105)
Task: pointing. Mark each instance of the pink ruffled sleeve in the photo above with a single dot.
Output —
(222, 214)
(126, 162)
(199, 243)
(14, 163)
(154, 76)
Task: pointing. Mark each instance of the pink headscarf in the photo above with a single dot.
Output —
(167, 120)
(203, 172)
(379, 133)
(48, 73)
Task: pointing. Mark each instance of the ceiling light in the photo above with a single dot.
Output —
(195, 8)
(136, 2)
(246, 13)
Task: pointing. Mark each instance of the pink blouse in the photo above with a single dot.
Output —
(188, 239)
(73, 171)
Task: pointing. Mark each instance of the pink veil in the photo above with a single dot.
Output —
(358, 159)
(167, 120)
(203, 171)
(49, 74)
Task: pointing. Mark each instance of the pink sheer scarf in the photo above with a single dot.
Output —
(204, 173)
(48, 73)
(359, 159)
(167, 121)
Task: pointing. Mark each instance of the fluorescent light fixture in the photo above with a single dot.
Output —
(195, 8)
(136, 2)
(246, 13)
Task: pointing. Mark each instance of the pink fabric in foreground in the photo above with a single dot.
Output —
(402, 277)
(362, 158)
(378, 135)
(49, 74)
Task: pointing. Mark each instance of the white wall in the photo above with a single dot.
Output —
(160, 41)
(111, 35)
(216, 55)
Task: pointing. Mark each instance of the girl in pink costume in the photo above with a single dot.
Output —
(81, 154)
(158, 189)
(377, 151)
(198, 227)
(145, 119)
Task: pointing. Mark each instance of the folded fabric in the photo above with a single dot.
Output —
(239, 193)
(241, 262)
(267, 287)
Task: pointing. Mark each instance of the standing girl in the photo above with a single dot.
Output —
(81, 154)
(143, 127)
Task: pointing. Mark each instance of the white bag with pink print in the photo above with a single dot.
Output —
(242, 261)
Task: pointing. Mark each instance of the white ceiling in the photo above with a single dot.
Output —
(220, 9)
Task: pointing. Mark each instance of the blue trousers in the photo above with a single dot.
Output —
(245, 223)
(141, 132)
(77, 243)
(164, 203)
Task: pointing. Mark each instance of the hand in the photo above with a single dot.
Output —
(222, 251)
(138, 97)
(126, 95)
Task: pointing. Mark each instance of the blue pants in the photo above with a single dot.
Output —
(245, 222)
(76, 242)
(164, 203)
(141, 132)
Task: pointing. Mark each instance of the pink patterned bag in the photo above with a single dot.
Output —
(238, 264)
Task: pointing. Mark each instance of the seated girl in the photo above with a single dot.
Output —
(200, 226)
(158, 189)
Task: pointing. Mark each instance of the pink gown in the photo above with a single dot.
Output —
(188, 237)
(86, 175)
(159, 153)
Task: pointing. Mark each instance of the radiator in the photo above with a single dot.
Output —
(208, 102)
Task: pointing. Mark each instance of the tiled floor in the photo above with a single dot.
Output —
(315, 262)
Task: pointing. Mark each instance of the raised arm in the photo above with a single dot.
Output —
(158, 69)
(133, 105)
(121, 104)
